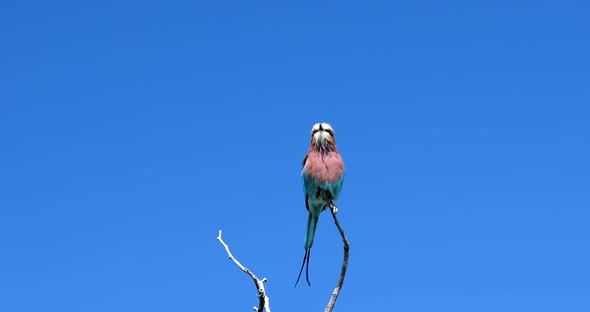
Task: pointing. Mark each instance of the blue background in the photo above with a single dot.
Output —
(131, 132)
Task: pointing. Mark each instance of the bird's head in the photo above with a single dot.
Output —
(322, 137)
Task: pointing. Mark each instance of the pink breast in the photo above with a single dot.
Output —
(328, 168)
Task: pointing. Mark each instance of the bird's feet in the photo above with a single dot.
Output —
(333, 207)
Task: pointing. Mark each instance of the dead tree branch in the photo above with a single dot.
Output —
(336, 291)
(264, 301)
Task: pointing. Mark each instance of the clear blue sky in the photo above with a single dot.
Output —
(131, 132)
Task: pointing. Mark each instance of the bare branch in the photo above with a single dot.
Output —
(336, 291)
(264, 301)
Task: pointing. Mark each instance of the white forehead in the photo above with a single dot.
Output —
(325, 126)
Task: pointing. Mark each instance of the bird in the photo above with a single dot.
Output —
(322, 175)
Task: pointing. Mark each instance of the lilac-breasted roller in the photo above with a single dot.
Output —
(322, 175)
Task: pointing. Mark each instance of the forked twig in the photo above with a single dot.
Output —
(336, 291)
(264, 301)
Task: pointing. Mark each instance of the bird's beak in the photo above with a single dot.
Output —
(321, 137)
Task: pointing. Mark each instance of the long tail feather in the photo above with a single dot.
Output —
(312, 223)
(305, 261)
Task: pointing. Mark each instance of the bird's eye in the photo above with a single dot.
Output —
(330, 131)
(314, 131)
